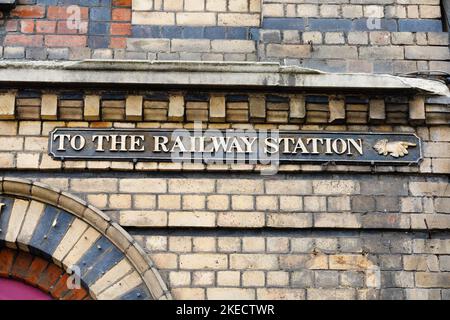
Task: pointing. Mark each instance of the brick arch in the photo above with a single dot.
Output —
(37, 272)
(60, 227)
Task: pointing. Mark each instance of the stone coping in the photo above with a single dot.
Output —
(210, 74)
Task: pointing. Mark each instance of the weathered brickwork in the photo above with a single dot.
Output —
(225, 231)
(380, 37)
(277, 262)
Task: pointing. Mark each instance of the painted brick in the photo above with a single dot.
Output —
(283, 23)
(422, 25)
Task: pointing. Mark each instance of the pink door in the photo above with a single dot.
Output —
(16, 290)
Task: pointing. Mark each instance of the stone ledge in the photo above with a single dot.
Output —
(210, 74)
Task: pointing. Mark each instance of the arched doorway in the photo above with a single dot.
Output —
(63, 229)
(24, 276)
(16, 290)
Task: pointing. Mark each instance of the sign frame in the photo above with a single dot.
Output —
(390, 161)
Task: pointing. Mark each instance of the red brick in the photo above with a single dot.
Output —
(37, 267)
(12, 25)
(21, 265)
(60, 287)
(27, 11)
(121, 14)
(62, 28)
(75, 294)
(27, 26)
(58, 12)
(45, 26)
(118, 43)
(23, 40)
(6, 261)
(49, 277)
(121, 3)
(61, 291)
(65, 41)
(120, 29)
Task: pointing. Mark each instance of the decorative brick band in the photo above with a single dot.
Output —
(64, 228)
(216, 107)
(182, 32)
(346, 25)
(39, 273)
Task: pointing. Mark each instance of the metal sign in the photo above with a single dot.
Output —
(249, 146)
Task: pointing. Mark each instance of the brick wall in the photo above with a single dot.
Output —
(302, 234)
(357, 36)
(244, 236)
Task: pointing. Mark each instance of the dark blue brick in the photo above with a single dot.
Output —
(98, 42)
(100, 14)
(276, 99)
(101, 247)
(237, 33)
(68, 2)
(192, 33)
(89, 3)
(197, 96)
(105, 3)
(146, 32)
(419, 25)
(29, 93)
(366, 25)
(325, 25)
(99, 28)
(57, 226)
(100, 258)
(356, 99)
(71, 95)
(237, 98)
(157, 96)
(171, 32)
(316, 99)
(215, 32)
(284, 23)
(47, 2)
(138, 293)
(114, 96)
(254, 34)
(40, 241)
